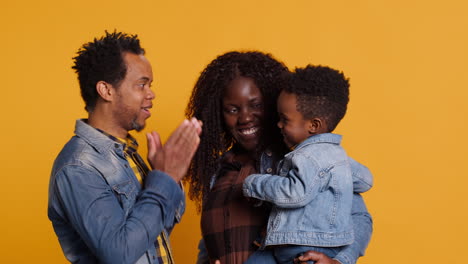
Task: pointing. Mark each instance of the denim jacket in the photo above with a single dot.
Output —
(362, 220)
(312, 195)
(98, 208)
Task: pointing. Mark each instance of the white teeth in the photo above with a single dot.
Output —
(249, 131)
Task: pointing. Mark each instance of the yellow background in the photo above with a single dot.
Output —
(407, 119)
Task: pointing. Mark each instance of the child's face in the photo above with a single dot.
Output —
(294, 127)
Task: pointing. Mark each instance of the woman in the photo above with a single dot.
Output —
(235, 98)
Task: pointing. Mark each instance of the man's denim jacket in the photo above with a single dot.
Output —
(313, 194)
(98, 208)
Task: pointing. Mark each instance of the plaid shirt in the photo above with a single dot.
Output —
(230, 223)
(130, 146)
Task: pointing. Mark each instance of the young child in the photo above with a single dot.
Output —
(313, 191)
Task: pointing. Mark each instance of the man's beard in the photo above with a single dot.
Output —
(137, 127)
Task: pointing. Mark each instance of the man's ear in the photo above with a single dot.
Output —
(105, 90)
(315, 126)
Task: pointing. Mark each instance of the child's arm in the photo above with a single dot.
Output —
(362, 177)
(296, 189)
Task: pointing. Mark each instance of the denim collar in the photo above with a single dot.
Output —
(93, 137)
(320, 138)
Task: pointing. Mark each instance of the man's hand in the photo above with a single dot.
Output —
(174, 157)
(319, 258)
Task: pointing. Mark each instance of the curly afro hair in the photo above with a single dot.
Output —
(102, 60)
(322, 92)
(206, 105)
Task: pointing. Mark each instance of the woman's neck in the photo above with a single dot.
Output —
(244, 157)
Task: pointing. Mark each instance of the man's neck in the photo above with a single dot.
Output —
(98, 120)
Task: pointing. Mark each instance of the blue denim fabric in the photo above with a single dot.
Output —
(97, 206)
(265, 256)
(312, 194)
(287, 254)
(362, 224)
(362, 220)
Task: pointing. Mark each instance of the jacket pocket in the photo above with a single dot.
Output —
(126, 193)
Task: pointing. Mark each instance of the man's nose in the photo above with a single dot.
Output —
(150, 94)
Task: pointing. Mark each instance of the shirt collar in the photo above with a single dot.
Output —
(129, 143)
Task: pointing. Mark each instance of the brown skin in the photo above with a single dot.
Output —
(243, 113)
(294, 127)
(319, 258)
(126, 107)
(169, 158)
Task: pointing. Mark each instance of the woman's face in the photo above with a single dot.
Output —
(243, 112)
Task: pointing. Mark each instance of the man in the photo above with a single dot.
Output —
(105, 204)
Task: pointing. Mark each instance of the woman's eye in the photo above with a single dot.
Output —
(257, 105)
(231, 110)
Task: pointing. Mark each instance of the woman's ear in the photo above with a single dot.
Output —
(105, 90)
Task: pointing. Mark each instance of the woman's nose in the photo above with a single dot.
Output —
(245, 116)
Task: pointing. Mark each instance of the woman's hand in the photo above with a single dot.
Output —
(319, 258)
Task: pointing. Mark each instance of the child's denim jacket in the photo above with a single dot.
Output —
(312, 194)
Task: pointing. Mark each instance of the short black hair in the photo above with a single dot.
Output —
(322, 92)
(102, 60)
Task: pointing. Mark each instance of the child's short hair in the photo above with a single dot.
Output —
(322, 92)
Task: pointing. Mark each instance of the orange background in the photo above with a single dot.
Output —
(407, 119)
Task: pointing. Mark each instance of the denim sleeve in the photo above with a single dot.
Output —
(362, 177)
(362, 224)
(96, 215)
(202, 257)
(297, 189)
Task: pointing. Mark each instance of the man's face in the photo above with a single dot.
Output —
(134, 95)
(294, 127)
